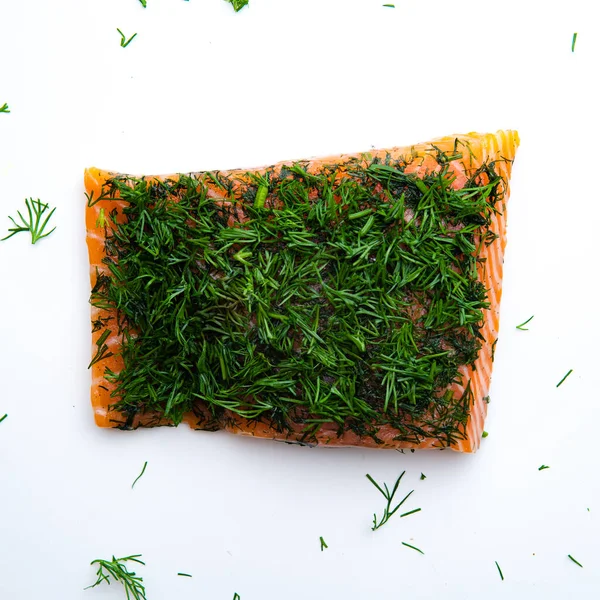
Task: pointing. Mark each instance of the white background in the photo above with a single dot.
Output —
(202, 87)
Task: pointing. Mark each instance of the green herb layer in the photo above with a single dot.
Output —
(351, 296)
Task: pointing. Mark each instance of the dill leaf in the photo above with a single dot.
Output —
(33, 223)
(116, 569)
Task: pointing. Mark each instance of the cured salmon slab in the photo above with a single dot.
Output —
(351, 300)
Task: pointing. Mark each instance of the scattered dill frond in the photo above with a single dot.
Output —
(573, 42)
(4, 108)
(184, 574)
(124, 41)
(143, 3)
(236, 597)
(34, 223)
(117, 570)
(413, 547)
(423, 476)
(562, 380)
(499, 570)
(4, 417)
(575, 561)
(389, 5)
(388, 511)
(143, 471)
(522, 325)
(323, 544)
(543, 467)
(238, 4)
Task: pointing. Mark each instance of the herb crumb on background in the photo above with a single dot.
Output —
(238, 4)
(4, 417)
(484, 434)
(499, 570)
(143, 471)
(543, 467)
(573, 42)
(4, 108)
(125, 43)
(522, 325)
(413, 547)
(575, 561)
(323, 544)
(562, 380)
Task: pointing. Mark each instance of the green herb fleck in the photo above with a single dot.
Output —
(521, 326)
(484, 434)
(390, 5)
(117, 570)
(4, 108)
(411, 512)
(413, 547)
(124, 43)
(323, 544)
(4, 417)
(543, 467)
(423, 476)
(101, 220)
(389, 496)
(499, 570)
(143, 471)
(238, 4)
(573, 42)
(184, 574)
(261, 196)
(561, 381)
(33, 224)
(143, 3)
(575, 561)
(236, 597)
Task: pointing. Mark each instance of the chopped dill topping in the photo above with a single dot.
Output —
(138, 477)
(4, 417)
(125, 43)
(350, 297)
(33, 224)
(413, 547)
(323, 544)
(499, 570)
(521, 326)
(543, 467)
(575, 561)
(389, 496)
(117, 570)
(238, 4)
(573, 42)
(562, 380)
(4, 108)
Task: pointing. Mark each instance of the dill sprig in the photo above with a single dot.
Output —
(33, 223)
(124, 41)
(138, 477)
(238, 4)
(543, 467)
(323, 544)
(499, 570)
(4, 108)
(2, 418)
(562, 380)
(522, 325)
(117, 570)
(349, 297)
(575, 561)
(573, 42)
(388, 511)
(413, 547)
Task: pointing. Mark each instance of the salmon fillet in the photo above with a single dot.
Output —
(461, 156)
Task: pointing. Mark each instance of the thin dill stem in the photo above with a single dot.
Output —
(138, 477)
